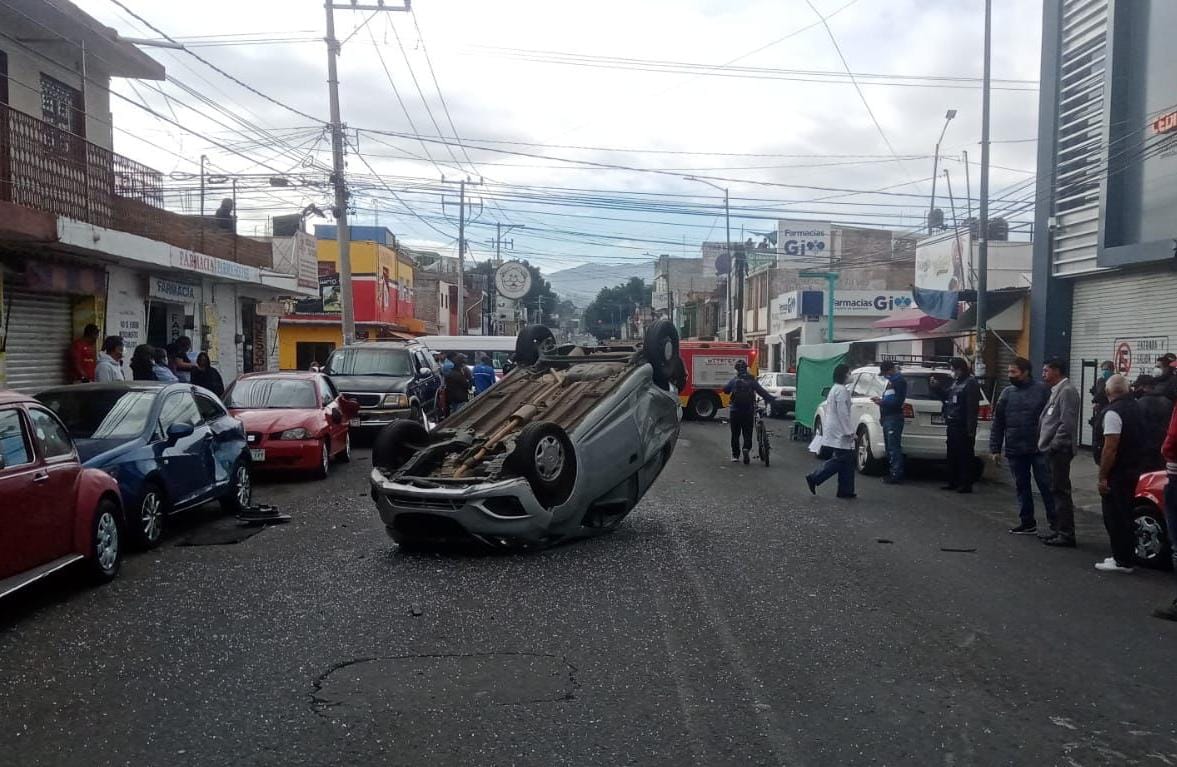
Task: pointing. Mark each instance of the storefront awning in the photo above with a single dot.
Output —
(909, 319)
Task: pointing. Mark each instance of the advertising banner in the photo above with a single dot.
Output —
(940, 263)
(803, 240)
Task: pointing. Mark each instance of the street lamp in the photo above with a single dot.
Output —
(733, 273)
(936, 165)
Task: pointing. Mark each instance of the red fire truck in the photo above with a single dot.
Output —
(709, 366)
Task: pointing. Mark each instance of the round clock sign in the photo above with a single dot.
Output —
(513, 280)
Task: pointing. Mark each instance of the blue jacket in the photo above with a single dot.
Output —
(484, 378)
(1015, 419)
(894, 396)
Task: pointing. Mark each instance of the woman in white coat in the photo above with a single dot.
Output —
(837, 434)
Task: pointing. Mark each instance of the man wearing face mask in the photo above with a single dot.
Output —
(1155, 400)
(962, 402)
(1015, 426)
(1165, 378)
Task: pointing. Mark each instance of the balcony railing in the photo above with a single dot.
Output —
(49, 169)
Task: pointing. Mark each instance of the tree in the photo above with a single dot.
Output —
(613, 306)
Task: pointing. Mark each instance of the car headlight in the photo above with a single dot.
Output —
(299, 433)
(395, 400)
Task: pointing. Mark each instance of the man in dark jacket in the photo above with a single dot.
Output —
(962, 404)
(743, 390)
(1015, 424)
(891, 418)
(1118, 455)
(1169, 612)
(1164, 382)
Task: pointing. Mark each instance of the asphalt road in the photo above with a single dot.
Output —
(732, 619)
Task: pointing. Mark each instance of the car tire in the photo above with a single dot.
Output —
(240, 493)
(105, 556)
(703, 406)
(1153, 542)
(396, 443)
(545, 457)
(532, 340)
(865, 457)
(147, 521)
(324, 467)
(660, 346)
(345, 454)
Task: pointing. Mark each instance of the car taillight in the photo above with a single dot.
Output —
(908, 411)
(985, 413)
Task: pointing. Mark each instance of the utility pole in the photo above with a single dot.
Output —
(983, 228)
(462, 258)
(338, 174)
(951, 113)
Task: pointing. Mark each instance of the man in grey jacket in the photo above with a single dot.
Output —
(1057, 432)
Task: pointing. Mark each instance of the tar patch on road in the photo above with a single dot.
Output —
(372, 686)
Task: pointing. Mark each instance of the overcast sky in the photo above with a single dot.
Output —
(498, 68)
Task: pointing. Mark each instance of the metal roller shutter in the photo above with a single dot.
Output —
(39, 334)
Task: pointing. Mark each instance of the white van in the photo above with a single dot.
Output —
(498, 348)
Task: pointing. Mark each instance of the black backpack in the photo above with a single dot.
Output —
(743, 395)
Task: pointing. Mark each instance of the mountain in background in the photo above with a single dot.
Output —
(581, 284)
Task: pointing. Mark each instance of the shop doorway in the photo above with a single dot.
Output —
(307, 353)
(165, 323)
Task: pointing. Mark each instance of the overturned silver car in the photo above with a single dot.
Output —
(564, 447)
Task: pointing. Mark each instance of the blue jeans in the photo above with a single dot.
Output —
(1171, 517)
(1021, 467)
(841, 464)
(893, 439)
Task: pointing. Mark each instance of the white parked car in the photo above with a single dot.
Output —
(924, 433)
(783, 386)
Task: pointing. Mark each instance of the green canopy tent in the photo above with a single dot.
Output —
(815, 375)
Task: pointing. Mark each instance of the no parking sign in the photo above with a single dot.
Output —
(1137, 356)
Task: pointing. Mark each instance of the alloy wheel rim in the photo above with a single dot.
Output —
(347, 444)
(149, 513)
(325, 458)
(549, 458)
(863, 452)
(244, 490)
(1148, 538)
(668, 350)
(106, 542)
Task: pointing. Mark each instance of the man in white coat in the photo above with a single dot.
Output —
(837, 434)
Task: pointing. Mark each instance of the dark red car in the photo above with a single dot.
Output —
(293, 420)
(53, 512)
(1153, 542)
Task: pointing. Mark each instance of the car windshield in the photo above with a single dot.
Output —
(370, 362)
(272, 393)
(102, 414)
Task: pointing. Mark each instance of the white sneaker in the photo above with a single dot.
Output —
(1107, 566)
(735, 459)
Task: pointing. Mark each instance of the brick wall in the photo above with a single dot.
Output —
(191, 232)
(426, 300)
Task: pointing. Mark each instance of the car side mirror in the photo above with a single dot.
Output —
(424, 372)
(179, 431)
(349, 407)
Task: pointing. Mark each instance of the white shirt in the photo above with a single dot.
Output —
(1112, 423)
(837, 431)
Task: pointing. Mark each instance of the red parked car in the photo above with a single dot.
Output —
(1153, 541)
(293, 420)
(53, 512)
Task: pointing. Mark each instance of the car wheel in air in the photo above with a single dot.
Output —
(324, 467)
(1152, 542)
(345, 454)
(532, 340)
(867, 463)
(240, 493)
(147, 522)
(544, 456)
(106, 542)
(396, 443)
(703, 406)
(660, 345)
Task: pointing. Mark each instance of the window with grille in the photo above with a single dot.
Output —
(61, 106)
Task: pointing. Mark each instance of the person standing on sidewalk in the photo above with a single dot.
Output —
(83, 355)
(1056, 438)
(837, 434)
(742, 409)
(962, 404)
(1015, 426)
(110, 361)
(891, 418)
(1118, 455)
(1169, 612)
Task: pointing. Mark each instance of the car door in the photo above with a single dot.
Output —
(337, 420)
(184, 462)
(425, 387)
(226, 441)
(57, 479)
(23, 498)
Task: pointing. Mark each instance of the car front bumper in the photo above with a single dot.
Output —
(499, 514)
(287, 454)
(376, 418)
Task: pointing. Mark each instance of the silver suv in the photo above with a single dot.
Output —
(924, 431)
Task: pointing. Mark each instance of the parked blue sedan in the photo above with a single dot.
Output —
(171, 447)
